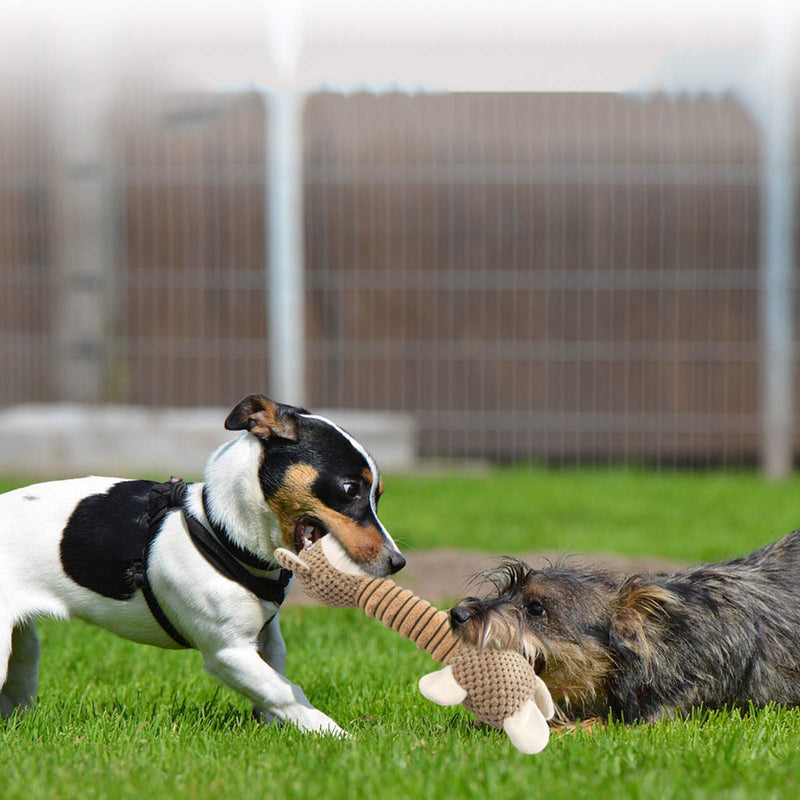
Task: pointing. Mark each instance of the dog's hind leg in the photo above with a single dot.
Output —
(6, 634)
(22, 669)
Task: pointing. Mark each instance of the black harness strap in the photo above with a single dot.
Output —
(271, 589)
(163, 498)
(216, 546)
(239, 553)
(140, 576)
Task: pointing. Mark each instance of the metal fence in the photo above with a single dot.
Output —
(564, 278)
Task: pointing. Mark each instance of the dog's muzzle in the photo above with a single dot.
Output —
(459, 616)
(396, 562)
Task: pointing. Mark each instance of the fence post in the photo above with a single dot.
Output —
(777, 322)
(83, 231)
(286, 303)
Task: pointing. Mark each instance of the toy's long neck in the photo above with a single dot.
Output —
(413, 618)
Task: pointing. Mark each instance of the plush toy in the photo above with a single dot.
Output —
(499, 686)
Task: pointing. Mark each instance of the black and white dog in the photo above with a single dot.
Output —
(72, 548)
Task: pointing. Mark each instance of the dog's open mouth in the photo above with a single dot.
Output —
(306, 531)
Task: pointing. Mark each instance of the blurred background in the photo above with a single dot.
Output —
(469, 232)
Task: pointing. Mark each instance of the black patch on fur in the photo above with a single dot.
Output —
(104, 535)
(331, 455)
(30, 497)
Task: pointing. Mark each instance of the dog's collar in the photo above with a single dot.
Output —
(229, 559)
(263, 587)
(237, 551)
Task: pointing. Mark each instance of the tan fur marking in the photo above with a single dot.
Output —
(574, 674)
(363, 543)
(294, 499)
(366, 474)
(640, 605)
(267, 422)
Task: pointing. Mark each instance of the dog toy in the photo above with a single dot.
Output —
(499, 686)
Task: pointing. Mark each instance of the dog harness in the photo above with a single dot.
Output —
(215, 545)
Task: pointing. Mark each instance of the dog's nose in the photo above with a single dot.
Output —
(458, 616)
(396, 562)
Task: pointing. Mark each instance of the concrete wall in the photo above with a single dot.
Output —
(53, 440)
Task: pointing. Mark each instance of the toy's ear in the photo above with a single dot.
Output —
(263, 417)
(442, 688)
(542, 698)
(527, 728)
(288, 560)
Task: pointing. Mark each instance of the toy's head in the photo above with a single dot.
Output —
(573, 625)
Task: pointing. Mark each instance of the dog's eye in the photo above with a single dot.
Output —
(535, 608)
(351, 488)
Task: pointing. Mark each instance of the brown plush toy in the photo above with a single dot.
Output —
(499, 686)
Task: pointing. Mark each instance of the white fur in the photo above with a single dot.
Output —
(238, 634)
(373, 468)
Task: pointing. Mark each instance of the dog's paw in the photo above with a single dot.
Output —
(322, 724)
(265, 718)
(336, 732)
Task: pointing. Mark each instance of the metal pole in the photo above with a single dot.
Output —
(284, 181)
(83, 233)
(777, 249)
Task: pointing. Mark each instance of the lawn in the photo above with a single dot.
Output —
(118, 720)
(687, 516)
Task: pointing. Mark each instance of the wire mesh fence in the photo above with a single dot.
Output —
(569, 278)
(538, 277)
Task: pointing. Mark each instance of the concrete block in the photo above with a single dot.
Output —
(52, 440)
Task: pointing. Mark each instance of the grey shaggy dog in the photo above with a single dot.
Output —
(640, 647)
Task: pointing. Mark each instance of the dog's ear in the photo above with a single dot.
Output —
(263, 417)
(638, 604)
(639, 612)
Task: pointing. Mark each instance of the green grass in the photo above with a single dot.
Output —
(682, 515)
(117, 720)
(687, 516)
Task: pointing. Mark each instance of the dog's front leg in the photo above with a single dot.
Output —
(243, 669)
(272, 649)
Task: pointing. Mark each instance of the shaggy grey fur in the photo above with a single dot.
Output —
(715, 635)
